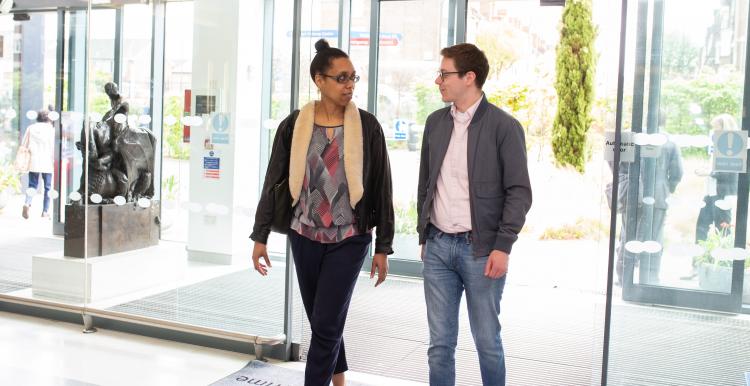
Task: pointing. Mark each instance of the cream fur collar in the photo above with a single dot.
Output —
(353, 151)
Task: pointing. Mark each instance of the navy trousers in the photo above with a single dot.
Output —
(327, 274)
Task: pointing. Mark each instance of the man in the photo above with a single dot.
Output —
(474, 193)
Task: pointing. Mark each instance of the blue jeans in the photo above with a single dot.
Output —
(449, 269)
(34, 182)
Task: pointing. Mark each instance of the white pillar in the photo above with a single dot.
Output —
(224, 161)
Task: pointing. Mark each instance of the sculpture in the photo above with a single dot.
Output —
(120, 157)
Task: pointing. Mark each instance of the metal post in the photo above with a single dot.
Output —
(345, 24)
(88, 324)
(294, 105)
(117, 70)
(615, 187)
(461, 7)
(743, 188)
(451, 22)
(646, 219)
(266, 85)
(634, 172)
(156, 103)
(372, 83)
(58, 228)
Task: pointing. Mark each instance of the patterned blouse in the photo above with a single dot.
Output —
(323, 213)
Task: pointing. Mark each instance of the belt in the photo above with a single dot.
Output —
(466, 235)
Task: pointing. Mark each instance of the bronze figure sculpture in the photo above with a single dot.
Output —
(120, 157)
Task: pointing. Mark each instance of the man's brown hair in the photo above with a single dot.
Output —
(468, 58)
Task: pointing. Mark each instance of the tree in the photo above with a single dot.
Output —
(680, 55)
(576, 64)
(499, 50)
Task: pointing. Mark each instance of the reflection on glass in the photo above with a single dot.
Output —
(700, 46)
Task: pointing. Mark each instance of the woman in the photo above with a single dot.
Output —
(334, 158)
(40, 139)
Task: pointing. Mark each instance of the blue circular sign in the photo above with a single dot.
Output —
(220, 122)
(729, 144)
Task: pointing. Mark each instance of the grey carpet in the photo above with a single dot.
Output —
(15, 262)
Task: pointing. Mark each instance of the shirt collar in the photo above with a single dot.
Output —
(468, 115)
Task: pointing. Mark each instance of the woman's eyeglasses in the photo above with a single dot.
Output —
(343, 78)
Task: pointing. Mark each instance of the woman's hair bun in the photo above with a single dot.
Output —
(321, 45)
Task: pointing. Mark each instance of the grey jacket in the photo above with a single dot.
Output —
(499, 187)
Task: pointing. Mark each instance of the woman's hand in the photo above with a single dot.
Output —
(379, 262)
(259, 249)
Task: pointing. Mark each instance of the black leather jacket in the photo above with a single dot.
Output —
(374, 210)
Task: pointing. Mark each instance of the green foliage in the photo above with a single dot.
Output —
(169, 188)
(173, 133)
(680, 56)
(582, 229)
(721, 238)
(9, 178)
(713, 97)
(576, 63)
(100, 104)
(428, 100)
(512, 99)
(406, 217)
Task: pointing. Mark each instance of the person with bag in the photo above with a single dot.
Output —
(38, 142)
(328, 184)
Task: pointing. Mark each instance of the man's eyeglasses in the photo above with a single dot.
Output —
(443, 74)
(343, 78)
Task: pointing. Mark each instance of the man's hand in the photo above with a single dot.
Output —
(379, 262)
(259, 249)
(497, 264)
(421, 251)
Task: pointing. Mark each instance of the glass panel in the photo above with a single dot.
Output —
(74, 94)
(686, 201)
(680, 227)
(29, 266)
(178, 68)
(198, 273)
(359, 48)
(409, 56)
(281, 87)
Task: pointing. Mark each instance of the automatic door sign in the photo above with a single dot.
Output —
(627, 146)
(730, 151)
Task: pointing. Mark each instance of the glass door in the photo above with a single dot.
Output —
(682, 238)
(411, 36)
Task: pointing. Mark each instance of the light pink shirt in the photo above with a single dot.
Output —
(451, 211)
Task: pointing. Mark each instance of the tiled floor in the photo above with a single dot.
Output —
(41, 352)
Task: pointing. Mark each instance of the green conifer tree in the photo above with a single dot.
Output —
(576, 64)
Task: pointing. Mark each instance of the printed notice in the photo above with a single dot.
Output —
(211, 167)
(627, 146)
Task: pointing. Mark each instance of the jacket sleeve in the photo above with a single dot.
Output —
(516, 186)
(277, 171)
(383, 200)
(675, 167)
(424, 176)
